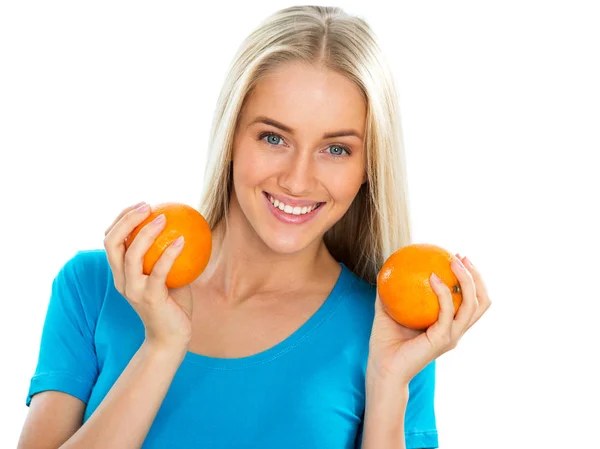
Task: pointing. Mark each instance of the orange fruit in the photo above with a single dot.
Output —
(181, 219)
(404, 288)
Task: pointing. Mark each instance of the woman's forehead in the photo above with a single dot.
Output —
(300, 95)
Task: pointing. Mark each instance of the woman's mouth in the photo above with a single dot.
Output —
(292, 214)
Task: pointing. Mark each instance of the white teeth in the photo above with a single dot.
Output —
(298, 210)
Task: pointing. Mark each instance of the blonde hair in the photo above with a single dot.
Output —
(377, 223)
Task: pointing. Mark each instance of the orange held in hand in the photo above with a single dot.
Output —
(182, 220)
(404, 289)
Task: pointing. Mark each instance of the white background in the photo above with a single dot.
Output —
(103, 104)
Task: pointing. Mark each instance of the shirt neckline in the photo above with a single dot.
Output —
(334, 297)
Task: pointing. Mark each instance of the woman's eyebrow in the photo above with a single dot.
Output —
(287, 129)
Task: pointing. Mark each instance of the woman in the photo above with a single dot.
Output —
(282, 341)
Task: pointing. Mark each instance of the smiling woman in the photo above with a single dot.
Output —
(278, 342)
(315, 103)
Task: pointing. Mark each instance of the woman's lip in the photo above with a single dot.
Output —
(291, 202)
(289, 218)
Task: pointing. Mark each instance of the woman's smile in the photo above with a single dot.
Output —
(292, 211)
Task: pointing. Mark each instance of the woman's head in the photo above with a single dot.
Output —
(283, 157)
(315, 70)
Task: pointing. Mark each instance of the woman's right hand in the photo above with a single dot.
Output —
(166, 313)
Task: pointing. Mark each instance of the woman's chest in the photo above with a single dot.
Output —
(269, 410)
(291, 402)
(307, 391)
(233, 331)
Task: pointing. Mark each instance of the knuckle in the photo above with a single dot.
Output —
(485, 303)
(163, 266)
(473, 304)
(442, 339)
(159, 271)
(132, 293)
(447, 340)
(116, 283)
(129, 258)
(118, 286)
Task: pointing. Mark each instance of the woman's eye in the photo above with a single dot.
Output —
(272, 139)
(338, 150)
(276, 139)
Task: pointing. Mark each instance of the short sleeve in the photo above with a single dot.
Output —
(419, 421)
(67, 358)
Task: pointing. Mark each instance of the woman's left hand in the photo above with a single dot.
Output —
(399, 353)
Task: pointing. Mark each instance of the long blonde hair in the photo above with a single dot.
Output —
(377, 223)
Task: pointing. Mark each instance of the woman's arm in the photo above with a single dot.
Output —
(384, 414)
(53, 417)
(397, 354)
(121, 421)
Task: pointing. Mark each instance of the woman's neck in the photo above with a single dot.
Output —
(242, 266)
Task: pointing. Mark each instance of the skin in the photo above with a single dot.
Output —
(253, 263)
(271, 255)
(260, 260)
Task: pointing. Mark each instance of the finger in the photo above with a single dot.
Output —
(482, 291)
(483, 299)
(121, 215)
(478, 314)
(126, 224)
(134, 257)
(114, 242)
(481, 309)
(162, 267)
(446, 314)
(469, 297)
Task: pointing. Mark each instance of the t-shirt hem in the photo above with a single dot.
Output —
(422, 440)
(64, 382)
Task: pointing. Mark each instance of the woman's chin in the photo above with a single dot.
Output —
(286, 243)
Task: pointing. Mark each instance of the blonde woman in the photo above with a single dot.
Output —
(282, 341)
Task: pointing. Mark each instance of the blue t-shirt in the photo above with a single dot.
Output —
(306, 392)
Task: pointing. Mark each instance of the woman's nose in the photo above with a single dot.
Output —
(298, 176)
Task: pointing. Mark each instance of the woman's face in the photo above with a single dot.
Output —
(291, 180)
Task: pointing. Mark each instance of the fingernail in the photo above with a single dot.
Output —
(459, 264)
(158, 220)
(143, 208)
(435, 279)
(178, 241)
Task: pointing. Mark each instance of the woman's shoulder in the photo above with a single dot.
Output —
(86, 267)
(359, 296)
(84, 277)
(359, 287)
